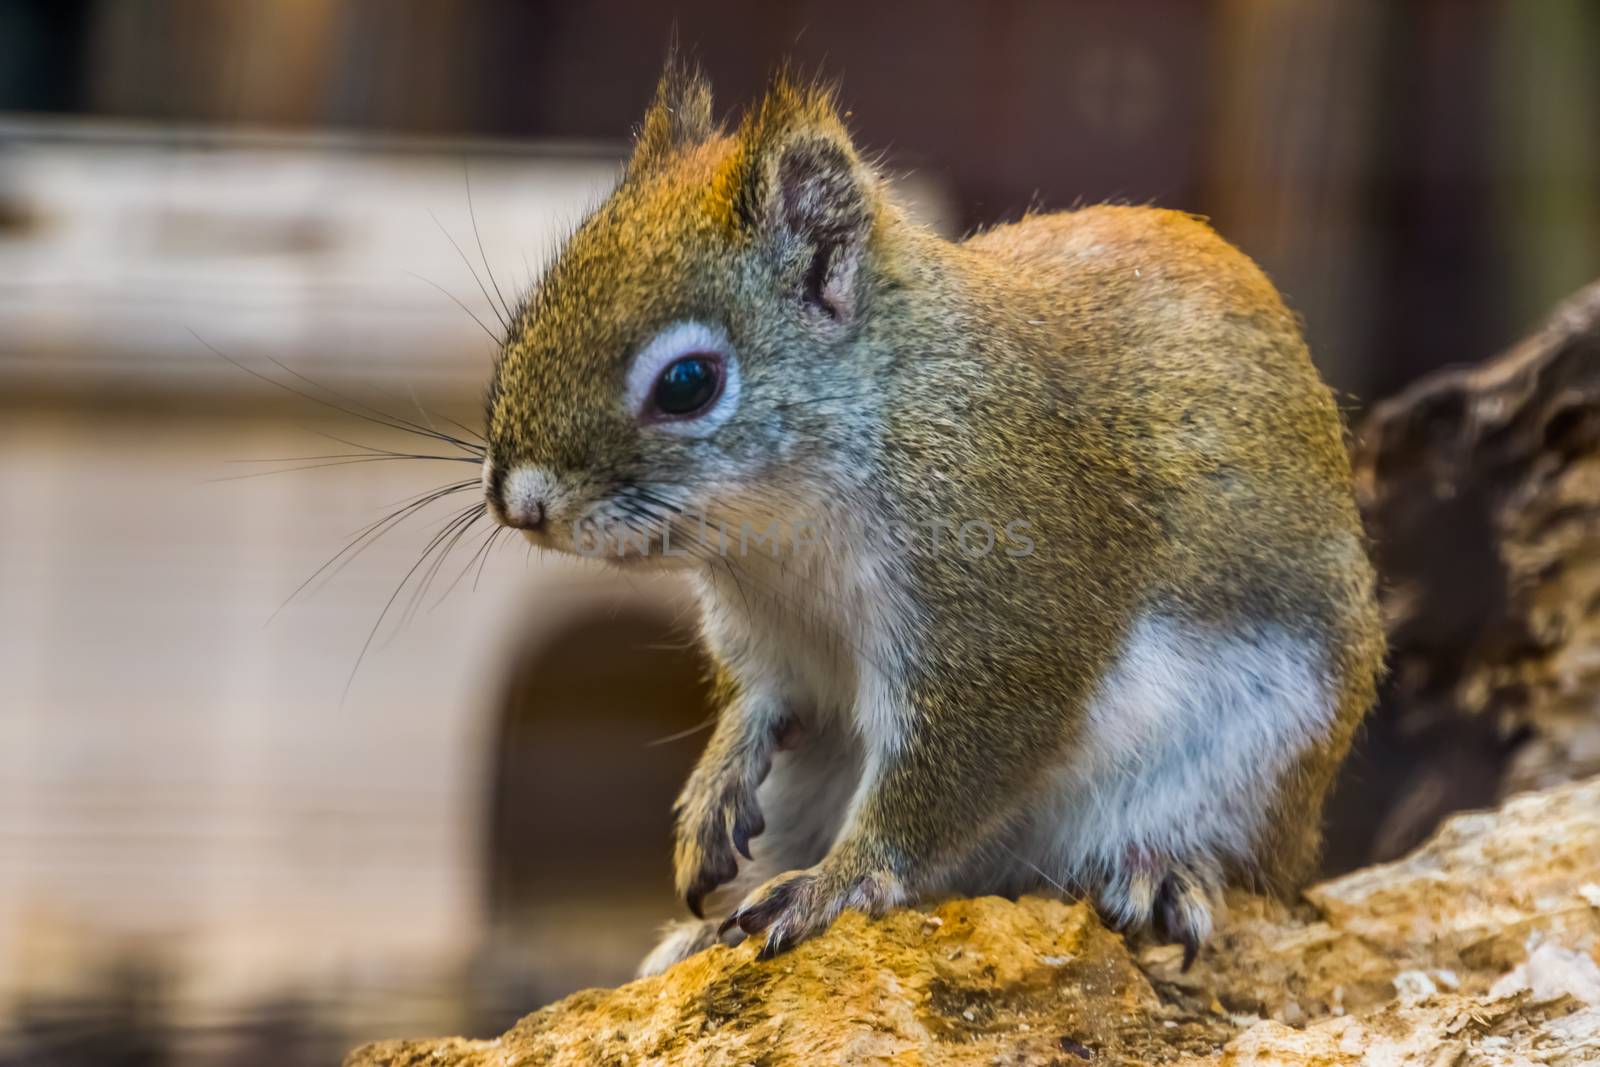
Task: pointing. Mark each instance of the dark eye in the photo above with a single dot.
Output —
(688, 385)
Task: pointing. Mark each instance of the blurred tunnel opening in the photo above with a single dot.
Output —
(598, 728)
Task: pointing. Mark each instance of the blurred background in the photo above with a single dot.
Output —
(244, 819)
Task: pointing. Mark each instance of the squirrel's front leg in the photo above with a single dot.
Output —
(922, 808)
(717, 814)
(799, 904)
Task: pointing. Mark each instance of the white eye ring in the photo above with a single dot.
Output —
(675, 341)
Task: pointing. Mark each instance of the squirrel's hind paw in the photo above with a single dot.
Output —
(1183, 915)
(679, 941)
(1169, 898)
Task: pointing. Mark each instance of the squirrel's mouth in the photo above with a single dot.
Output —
(620, 545)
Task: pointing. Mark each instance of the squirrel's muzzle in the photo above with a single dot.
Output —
(521, 497)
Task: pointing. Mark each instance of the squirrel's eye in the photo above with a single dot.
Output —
(688, 385)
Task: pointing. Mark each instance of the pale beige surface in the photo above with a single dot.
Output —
(172, 764)
(183, 781)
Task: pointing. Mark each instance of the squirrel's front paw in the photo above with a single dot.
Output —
(716, 814)
(799, 904)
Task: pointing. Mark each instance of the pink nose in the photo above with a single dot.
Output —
(524, 495)
(526, 515)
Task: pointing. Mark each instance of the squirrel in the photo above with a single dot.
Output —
(1125, 626)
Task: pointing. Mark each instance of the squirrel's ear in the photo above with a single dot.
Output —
(803, 189)
(679, 116)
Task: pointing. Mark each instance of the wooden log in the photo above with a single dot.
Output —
(1481, 489)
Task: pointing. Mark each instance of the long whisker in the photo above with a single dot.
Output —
(380, 418)
(469, 431)
(496, 338)
(331, 463)
(445, 542)
(471, 457)
(394, 421)
(471, 270)
(494, 540)
(681, 734)
(354, 455)
(479, 556)
(365, 537)
(389, 604)
(466, 175)
(406, 510)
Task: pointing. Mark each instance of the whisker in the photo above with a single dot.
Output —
(1040, 871)
(352, 455)
(466, 175)
(383, 614)
(443, 490)
(377, 417)
(323, 466)
(469, 431)
(472, 271)
(496, 338)
(365, 537)
(816, 400)
(394, 421)
(494, 539)
(471, 457)
(681, 734)
(445, 542)
(479, 553)
(376, 530)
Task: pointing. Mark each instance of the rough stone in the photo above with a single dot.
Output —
(1479, 948)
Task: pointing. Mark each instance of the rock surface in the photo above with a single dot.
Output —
(1482, 947)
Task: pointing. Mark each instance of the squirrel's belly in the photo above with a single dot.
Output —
(1182, 751)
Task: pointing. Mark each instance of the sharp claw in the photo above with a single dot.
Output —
(695, 898)
(1172, 924)
(771, 947)
(749, 823)
(729, 923)
(753, 918)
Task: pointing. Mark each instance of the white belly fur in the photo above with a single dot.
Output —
(1184, 743)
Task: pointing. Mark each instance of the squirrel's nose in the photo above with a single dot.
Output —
(524, 494)
(529, 516)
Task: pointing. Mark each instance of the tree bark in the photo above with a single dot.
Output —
(1481, 490)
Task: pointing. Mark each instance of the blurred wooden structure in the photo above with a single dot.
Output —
(183, 777)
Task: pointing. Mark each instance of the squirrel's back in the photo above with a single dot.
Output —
(1153, 323)
(1221, 428)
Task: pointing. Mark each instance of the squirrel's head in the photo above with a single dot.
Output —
(692, 353)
